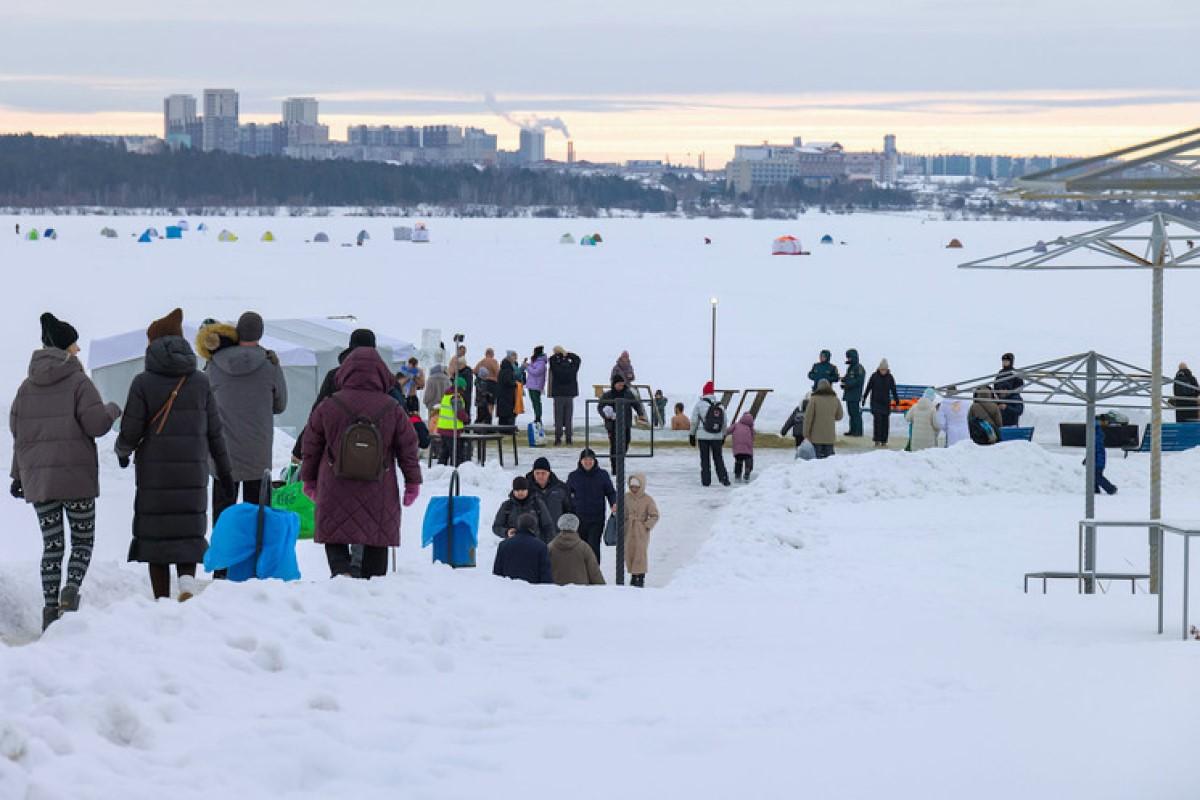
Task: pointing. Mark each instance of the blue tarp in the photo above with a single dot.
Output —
(434, 529)
(233, 541)
(174, 232)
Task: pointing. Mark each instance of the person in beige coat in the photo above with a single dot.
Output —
(571, 559)
(641, 515)
(821, 418)
(923, 423)
(986, 408)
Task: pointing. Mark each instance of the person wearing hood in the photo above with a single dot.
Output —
(522, 501)
(535, 380)
(436, 384)
(852, 392)
(523, 556)
(823, 370)
(55, 420)
(624, 368)
(609, 409)
(592, 496)
(1102, 483)
(571, 561)
(350, 510)
(1008, 391)
(952, 418)
(641, 515)
(1186, 392)
(709, 428)
(984, 409)
(546, 485)
(250, 390)
(923, 423)
(362, 337)
(795, 423)
(171, 429)
(563, 386)
(506, 390)
(742, 434)
(881, 394)
(821, 418)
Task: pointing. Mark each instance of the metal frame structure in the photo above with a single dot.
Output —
(1148, 242)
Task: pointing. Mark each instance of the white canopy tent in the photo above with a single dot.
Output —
(307, 349)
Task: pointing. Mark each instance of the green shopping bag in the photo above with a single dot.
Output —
(291, 497)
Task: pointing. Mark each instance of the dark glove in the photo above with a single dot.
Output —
(18, 491)
(122, 461)
(228, 485)
(692, 440)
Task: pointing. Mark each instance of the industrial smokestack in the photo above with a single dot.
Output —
(570, 151)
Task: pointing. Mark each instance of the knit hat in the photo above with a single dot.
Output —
(460, 383)
(56, 333)
(363, 337)
(708, 388)
(826, 355)
(883, 364)
(520, 484)
(568, 522)
(526, 522)
(541, 463)
(170, 325)
(559, 351)
(250, 327)
(1007, 357)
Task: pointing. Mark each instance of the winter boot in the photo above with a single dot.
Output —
(49, 615)
(68, 599)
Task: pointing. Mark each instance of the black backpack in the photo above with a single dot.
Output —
(714, 418)
(982, 431)
(361, 453)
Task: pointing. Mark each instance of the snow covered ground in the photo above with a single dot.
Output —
(853, 628)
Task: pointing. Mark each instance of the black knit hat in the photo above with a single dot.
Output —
(538, 351)
(541, 463)
(527, 522)
(1007, 357)
(520, 483)
(56, 333)
(363, 337)
(250, 327)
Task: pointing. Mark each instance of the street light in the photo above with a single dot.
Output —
(712, 352)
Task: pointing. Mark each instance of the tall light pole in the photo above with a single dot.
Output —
(712, 351)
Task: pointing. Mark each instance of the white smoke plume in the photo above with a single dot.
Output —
(529, 123)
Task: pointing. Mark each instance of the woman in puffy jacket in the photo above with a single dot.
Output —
(923, 423)
(535, 380)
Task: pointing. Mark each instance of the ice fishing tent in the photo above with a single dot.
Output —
(566, 238)
(32, 235)
(227, 236)
(183, 225)
(420, 233)
(145, 238)
(174, 232)
(596, 238)
(49, 233)
(955, 244)
(307, 349)
(402, 233)
(202, 227)
(827, 239)
(108, 233)
(786, 246)
(268, 237)
(362, 238)
(587, 241)
(321, 237)
(154, 234)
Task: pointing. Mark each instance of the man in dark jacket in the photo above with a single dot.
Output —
(172, 428)
(609, 410)
(1186, 391)
(881, 393)
(564, 388)
(1008, 391)
(824, 370)
(250, 390)
(546, 485)
(522, 501)
(852, 392)
(592, 494)
(1102, 483)
(524, 556)
(506, 391)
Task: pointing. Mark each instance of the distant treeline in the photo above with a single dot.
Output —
(39, 172)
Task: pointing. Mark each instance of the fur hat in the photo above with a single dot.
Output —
(541, 463)
(56, 333)
(250, 327)
(214, 336)
(170, 325)
(568, 522)
(520, 484)
(362, 337)
(527, 522)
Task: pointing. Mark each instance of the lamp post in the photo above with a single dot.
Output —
(712, 351)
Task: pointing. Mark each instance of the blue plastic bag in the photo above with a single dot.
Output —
(233, 542)
(465, 522)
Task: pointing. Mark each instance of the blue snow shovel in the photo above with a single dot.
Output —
(452, 525)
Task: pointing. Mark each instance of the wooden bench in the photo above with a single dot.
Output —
(1014, 433)
(1176, 437)
(1132, 577)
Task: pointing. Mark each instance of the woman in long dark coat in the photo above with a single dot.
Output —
(172, 428)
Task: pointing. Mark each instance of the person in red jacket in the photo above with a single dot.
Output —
(350, 511)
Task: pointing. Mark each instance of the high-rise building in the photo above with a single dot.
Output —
(221, 120)
(302, 110)
(301, 122)
(479, 146)
(891, 159)
(533, 146)
(257, 139)
(180, 123)
(384, 136)
(435, 136)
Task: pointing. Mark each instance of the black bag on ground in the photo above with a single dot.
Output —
(714, 418)
(360, 452)
(982, 431)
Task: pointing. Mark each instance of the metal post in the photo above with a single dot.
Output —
(1187, 540)
(1089, 474)
(713, 347)
(619, 461)
(1159, 245)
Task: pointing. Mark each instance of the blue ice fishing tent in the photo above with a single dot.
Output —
(588, 241)
(827, 239)
(202, 227)
(145, 238)
(174, 232)
(49, 233)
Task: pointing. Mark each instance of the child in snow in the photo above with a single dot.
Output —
(681, 421)
(743, 447)
(795, 424)
(641, 515)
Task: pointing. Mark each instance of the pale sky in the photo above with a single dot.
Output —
(630, 79)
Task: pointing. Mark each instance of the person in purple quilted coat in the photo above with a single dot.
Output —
(364, 512)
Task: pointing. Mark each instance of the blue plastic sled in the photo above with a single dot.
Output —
(452, 525)
(237, 547)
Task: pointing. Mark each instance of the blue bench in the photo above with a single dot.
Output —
(1176, 437)
(1014, 433)
(910, 392)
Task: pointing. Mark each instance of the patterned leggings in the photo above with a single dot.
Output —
(81, 515)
